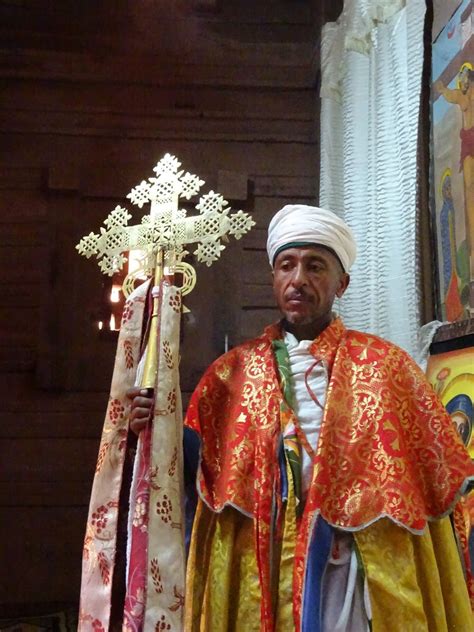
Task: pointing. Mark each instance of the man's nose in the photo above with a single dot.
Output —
(299, 276)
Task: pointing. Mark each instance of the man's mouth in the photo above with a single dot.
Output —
(297, 298)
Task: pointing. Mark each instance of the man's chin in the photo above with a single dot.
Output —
(293, 318)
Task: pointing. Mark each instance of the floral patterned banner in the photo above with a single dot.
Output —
(156, 555)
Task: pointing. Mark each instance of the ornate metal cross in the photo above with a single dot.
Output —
(166, 228)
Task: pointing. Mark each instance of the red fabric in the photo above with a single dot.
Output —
(454, 308)
(467, 144)
(387, 446)
(134, 608)
(235, 409)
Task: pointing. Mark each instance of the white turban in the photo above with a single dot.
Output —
(301, 225)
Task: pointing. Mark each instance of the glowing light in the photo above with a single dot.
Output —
(115, 294)
(100, 324)
(112, 323)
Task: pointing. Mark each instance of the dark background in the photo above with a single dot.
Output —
(92, 95)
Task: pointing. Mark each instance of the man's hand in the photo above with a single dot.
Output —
(141, 408)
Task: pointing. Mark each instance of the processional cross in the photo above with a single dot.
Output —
(166, 228)
(155, 549)
(164, 233)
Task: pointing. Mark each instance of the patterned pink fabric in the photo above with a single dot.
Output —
(154, 598)
(134, 610)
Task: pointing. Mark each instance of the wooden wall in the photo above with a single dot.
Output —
(92, 95)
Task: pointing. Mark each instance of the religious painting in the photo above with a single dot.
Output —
(453, 163)
(452, 377)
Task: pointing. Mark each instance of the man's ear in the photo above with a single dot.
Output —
(343, 284)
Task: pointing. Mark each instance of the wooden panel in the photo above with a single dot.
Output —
(19, 206)
(34, 493)
(170, 40)
(253, 321)
(56, 424)
(142, 26)
(48, 460)
(18, 261)
(263, 11)
(126, 69)
(18, 326)
(161, 126)
(164, 30)
(286, 186)
(14, 359)
(256, 239)
(22, 294)
(142, 101)
(279, 32)
(257, 270)
(43, 556)
(258, 296)
(20, 179)
(202, 157)
(451, 331)
(19, 394)
(266, 207)
(22, 234)
(63, 176)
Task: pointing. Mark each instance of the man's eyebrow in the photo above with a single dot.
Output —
(316, 257)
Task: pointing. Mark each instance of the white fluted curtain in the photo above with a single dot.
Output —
(371, 61)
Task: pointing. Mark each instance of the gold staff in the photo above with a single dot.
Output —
(162, 237)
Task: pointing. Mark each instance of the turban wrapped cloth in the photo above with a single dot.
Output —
(300, 225)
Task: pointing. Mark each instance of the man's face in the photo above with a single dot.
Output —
(462, 424)
(464, 80)
(306, 281)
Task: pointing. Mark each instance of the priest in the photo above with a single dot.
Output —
(327, 472)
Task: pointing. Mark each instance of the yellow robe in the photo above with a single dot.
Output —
(389, 465)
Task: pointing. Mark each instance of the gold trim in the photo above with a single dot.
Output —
(151, 358)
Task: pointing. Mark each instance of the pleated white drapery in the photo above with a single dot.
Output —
(371, 61)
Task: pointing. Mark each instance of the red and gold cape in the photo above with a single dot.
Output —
(387, 447)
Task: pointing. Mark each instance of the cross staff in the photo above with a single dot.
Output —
(166, 227)
(156, 555)
(163, 235)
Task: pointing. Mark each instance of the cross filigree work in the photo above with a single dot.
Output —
(167, 227)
